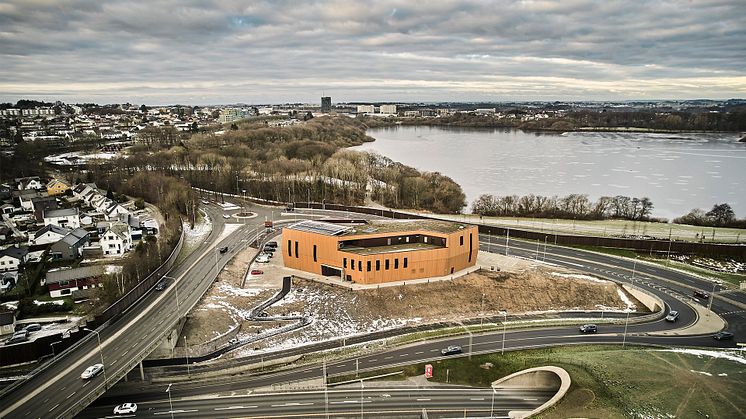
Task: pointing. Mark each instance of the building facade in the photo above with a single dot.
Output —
(389, 109)
(326, 104)
(380, 251)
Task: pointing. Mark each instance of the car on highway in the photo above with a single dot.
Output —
(18, 337)
(33, 327)
(223, 249)
(257, 271)
(588, 328)
(723, 335)
(262, 259)
(701, 294)
(92, 371)
(160, 286)
(673, 315)
(125, 408)
(453, 349)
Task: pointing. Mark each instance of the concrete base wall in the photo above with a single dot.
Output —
(653, 303)
(165, 348)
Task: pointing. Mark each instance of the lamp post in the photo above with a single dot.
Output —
(624, 340)
(186, 347)
(481, 313)
(362, 388)
(634, 268)
(101, 352)
(170, 405)
(492, 407)
(505, 319)
(712, 296)
(507, 243)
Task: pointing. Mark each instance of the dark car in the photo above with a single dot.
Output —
(270, 250)
(223, 249)
(588, 328)
(271, 244)
(33, 327)
(723, 335)
(701, 294)
(453, 349)
(18, 337)
(160, 286)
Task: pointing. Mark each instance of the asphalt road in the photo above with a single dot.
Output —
(349, 402)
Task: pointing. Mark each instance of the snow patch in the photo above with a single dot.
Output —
(627, 302)
(580, 276)
(736, 355)
(701, 372)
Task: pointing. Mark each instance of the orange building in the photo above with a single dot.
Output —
(380, 251)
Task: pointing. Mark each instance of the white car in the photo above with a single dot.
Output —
(226, 216)
(92, 371)
(262, 259)
(125, 408)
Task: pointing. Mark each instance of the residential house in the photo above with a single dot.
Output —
(116, 240)
(7, 322)
(7, 209)
(66, 218)
(48, 234)
(41, 204)
(136, 230)
(71, 246)
(8, 280)
(5, 233)
(57, 187)
(12, 258)
(32, 182)
(25, 198)
(64, 282)
(5, 191)
(85, 191)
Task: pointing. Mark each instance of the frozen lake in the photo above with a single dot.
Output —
(677, 172)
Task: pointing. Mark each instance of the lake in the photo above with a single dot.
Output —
(677, 172)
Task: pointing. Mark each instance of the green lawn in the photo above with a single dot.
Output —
(610, 382)
(609, 228)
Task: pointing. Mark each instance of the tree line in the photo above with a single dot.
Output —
(576, 206)
(721, 215)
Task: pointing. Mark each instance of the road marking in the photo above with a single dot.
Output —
(419, 352)
(55, 406)
(235, 407)
(530, 399)
(479, 399)
(423, 400)
(343, 402)
(86, 383)
(373, 360)
(72, 394)
(292, 404)
(388, 357)
(176, 411)
(403, 355)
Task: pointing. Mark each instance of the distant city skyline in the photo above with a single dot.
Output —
(217, 52)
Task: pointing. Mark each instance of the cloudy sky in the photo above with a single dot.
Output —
(221, 51)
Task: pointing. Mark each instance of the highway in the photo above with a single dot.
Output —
(58, 391)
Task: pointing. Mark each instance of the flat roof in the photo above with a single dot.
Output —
(398, 226)
(394, 248)
(320, 227)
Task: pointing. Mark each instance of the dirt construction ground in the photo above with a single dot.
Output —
(520, 287)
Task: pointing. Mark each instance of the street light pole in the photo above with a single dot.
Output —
(505, 319)
(712, 295)
(362, 387)
(186, 347)
(481, 314)
(101, 352)
(634, 268)
(624, 340)
(170, 405)
(507, 243)
(492, 407)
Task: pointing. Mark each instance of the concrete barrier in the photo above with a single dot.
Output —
(545, 378)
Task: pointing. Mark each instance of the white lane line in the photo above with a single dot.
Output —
(477, 399)
(73, 393)
(403, 355)
(530, 399)
(341, 365)
(423, 400)
(236, 407)
(372, 360)
(292, 404)
(343, 402)
(55, 406)
(388, 357)
(167, 412)
(419, 352)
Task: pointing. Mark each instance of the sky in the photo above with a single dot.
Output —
(220, 51)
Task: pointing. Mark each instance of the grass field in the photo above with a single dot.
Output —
(610, 382)
(611, 228)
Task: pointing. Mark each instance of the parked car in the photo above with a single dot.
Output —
(701, 294)
(724, 335)
(672, 316)
(92, 371)
(226, 216)
(272, 244)
(588, 328)
(206, 202)
(270, 250)
(223, 249)
(453, 349)
(125, 408)
(257, 271)
(33, 327)
(262, 259)
(18, 337)
(267, 254)
(290, 208)
(160, 286)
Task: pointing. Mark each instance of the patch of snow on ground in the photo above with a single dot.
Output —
(722, 374)
(737, 355)
(228, 230)
(227, 206)
(199, 232)
(12, 305)
(112, 269)
(626, 299)
(579, 276)
(701, 372)
(238, 292)
(41, 303)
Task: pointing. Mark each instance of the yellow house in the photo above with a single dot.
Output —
(56, 187)
(380, 251)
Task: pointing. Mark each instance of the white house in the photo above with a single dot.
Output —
(48, 234)
(12, 257)
(116, 240)
(65, 218)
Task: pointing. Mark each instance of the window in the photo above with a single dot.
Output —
(387, 264)
(296, 250)
(360, 265)
(344, 263)
(368, 266)
(461, 240)
(396, 263)
(378, 265)
(290, 249)
(352, 264)
(405, 263)
(314, 253)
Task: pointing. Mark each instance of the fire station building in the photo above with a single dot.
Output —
(380, 251)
